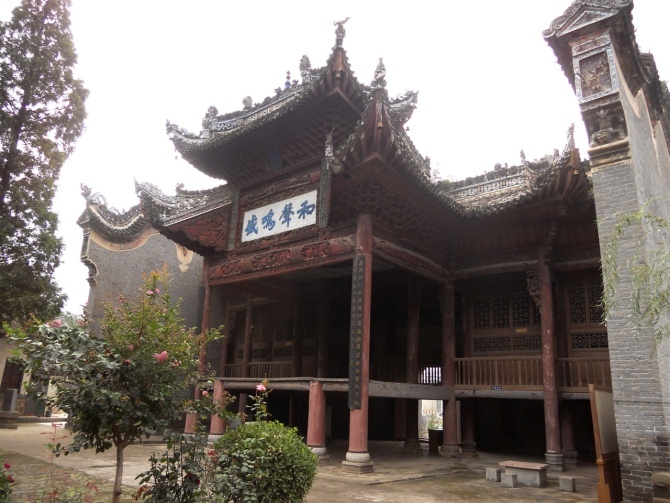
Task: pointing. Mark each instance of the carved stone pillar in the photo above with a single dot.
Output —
(316, 421)
(358, 457)
(412, 445)
(450, 447)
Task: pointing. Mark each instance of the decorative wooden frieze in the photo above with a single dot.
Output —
(409, 260)
(300, 256)
(533, 283)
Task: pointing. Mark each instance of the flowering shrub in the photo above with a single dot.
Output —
(259, 462)
(119, 385)
(6, 482)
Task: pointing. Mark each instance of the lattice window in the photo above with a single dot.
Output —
(482, 313)
(240, 354)
(284, 329)
(520, 310)
(578, 305)
(259, 354)
(310, 321)
(500, 311)
(282, 353)
(589, 341)
(309, 351)
(261, 327)
(492, 344)
(595, 308)
(527, 342)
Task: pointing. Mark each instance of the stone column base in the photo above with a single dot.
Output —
(570, 458)
(450, 451)
(412, 448)
(9, 420)
(358, 462)
(321, 453)
(213, 438)
(555, 460)
(469, 450)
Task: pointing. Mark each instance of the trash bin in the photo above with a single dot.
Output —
(434, 441)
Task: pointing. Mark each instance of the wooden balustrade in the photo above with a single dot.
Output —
(513, 372)
(575, 374)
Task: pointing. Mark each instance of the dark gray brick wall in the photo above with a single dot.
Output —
(120, 272)
(640, 376)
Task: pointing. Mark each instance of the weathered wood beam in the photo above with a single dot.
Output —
(404, 390)
(409, 260)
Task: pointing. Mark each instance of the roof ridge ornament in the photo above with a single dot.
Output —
(340, 32)
(379, 81)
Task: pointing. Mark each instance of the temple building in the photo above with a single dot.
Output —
(359, 286)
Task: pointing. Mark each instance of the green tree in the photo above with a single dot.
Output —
(120, 385)
(42, 114)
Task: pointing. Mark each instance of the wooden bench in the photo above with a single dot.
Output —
(528, 474)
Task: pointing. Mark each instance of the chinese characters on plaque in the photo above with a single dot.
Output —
(356, 332)
(282, 216)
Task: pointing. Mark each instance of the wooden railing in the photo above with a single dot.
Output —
(575, 374)
(260, 370)
(513, 372)
(520, 372)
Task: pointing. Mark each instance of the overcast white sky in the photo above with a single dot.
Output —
(488, 84)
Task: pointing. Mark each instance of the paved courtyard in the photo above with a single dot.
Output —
(396, 478)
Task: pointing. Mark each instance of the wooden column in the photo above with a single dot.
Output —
(324, 326)
(412, 445)
(248, 346)
(217, 424)
(223, 359)
(570, 454)
(191, 419)
(554, 455)
(450, 448)
(468, 427)
(358, 457)
(296, 349)
(316, 421)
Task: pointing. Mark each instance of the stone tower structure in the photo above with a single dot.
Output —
(624, 106)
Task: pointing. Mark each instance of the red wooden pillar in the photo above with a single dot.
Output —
(412, 445)
(324, 324)
(223, 359)
(570, 454)
(358, 457)
(450, 448)
(316, 421)
(554, 455)
(217, 424)
(191, 419)
(248, 346)
(468, 428)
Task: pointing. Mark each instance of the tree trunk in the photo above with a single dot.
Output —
(119, 473)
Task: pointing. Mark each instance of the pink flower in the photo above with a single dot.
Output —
(150, 292)
(131, 347)
(157, 291)
(10, 478)
(261, 388)
(205, 392)
(127, 360)
(55, 324)
(161, 357)
(7, 466)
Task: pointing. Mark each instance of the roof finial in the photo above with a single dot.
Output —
(380, 76)
(340, 32)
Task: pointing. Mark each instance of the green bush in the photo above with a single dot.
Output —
(263, 462)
